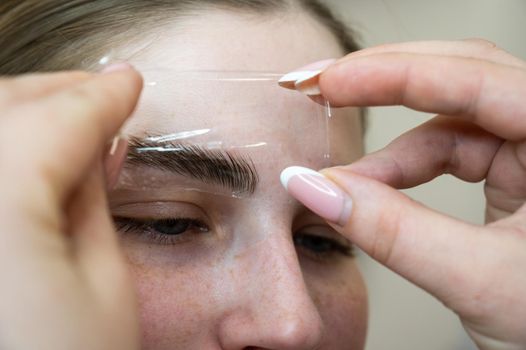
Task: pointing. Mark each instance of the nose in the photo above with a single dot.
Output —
(271, 308)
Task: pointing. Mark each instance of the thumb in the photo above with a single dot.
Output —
(425, 247)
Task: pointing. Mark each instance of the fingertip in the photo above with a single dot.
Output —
(124, 86)
(124, 69)
(117, 67)
(317, 193)
(292, 171)
(331, 83)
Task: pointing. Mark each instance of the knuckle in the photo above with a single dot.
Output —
(386, 235)
(483, 43)
(488, 50)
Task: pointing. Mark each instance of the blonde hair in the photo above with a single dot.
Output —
(53, 35)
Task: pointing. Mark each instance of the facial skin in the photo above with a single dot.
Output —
(236, 279)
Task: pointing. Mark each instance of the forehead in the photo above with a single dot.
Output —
(224, 40)
(231, 41)
(246, 115)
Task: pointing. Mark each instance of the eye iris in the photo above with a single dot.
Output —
(172, 226)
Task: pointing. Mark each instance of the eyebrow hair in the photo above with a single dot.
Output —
(221, 167)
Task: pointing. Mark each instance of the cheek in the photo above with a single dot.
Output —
(174, 304)
(342, 302)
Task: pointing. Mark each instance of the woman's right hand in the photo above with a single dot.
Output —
(63, 281)
(479, 95)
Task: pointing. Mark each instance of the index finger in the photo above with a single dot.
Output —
(50, 143)
(443, 145)
(23, 88)
(488, 94)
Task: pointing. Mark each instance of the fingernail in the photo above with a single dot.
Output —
(116, 67)
(317, 193)
(309, 85)
(309, 71)
(114, 160)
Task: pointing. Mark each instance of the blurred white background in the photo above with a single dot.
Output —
(401, 316)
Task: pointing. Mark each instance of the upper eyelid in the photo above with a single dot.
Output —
(155, 209)
(345, 249)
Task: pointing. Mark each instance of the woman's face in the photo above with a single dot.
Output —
(256, 272)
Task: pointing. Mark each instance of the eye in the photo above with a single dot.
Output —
(176, 226)
(321, 246)
(162, 231)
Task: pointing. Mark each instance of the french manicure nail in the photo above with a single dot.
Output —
(309, 85)
(289, 80)
(116, 67)
(317, 193)
(115, 160)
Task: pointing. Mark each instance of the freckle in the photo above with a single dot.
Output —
(215, 262)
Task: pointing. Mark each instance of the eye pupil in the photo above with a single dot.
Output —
(172, 226)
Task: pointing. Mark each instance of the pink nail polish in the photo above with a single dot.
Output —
(318, 193)
(115, 160)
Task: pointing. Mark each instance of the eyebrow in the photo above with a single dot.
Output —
(233, 171)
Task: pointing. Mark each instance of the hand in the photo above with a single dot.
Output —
(64, 283)
(479, 94)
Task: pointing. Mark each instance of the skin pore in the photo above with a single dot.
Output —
(246, 273)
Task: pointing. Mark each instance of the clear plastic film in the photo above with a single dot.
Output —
(223, 133)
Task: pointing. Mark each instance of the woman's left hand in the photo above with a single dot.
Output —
(64, 280)
(479, 94)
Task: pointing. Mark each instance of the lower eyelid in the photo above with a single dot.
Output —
(166, 239)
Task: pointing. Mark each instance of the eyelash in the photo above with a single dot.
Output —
(326, 246)
(318, 246)
(147, 228)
